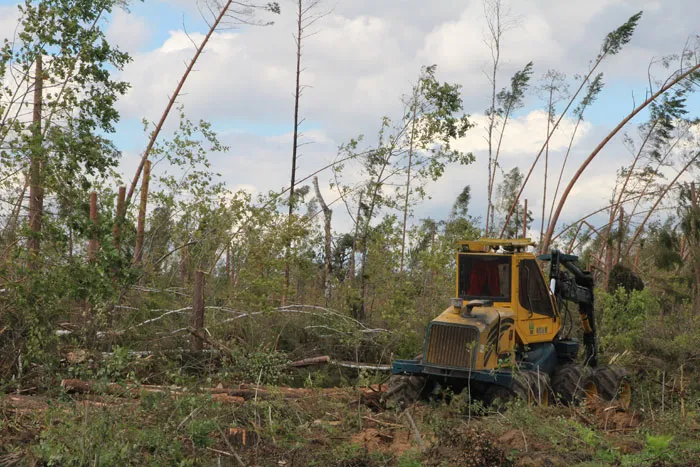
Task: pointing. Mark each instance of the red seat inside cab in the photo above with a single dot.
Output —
(484, 280)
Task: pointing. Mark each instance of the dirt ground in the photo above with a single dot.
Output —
(343, 426)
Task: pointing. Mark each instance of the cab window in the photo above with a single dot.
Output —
(533, 294)
(484, 277)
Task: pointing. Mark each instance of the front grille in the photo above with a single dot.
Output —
(451, 345)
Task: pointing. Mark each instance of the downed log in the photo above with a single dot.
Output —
(363, 366)
(327, 360)
(76, 386)
(243, 392)
(311, 361)
(251, 391)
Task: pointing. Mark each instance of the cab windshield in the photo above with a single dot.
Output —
(484, 277)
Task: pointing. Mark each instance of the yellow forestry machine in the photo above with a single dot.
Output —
(506, 334)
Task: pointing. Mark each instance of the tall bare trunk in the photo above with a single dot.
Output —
(141, 222)
(36, 188)
(295, 143)
(608, 264)
(620, 236)
(546, 163)
(327, 213)
(351, 267)
(563, 166)
(493, 20)
(119, 218)
(184, 264)
(693, 244)
(408, 183)
(228, 268)
(94, 219)
(570, 249)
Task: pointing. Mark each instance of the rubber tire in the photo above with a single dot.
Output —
(532, 387)
(541, 388)
(522, 387)
(568, 383)
(528, 386)
(498, 395)
(610, 380)
(404, 390)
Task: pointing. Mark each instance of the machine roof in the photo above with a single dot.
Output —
(487, 244)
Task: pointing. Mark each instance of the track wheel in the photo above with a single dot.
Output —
(532, 386)
(404, 390)
(498, 395)
(613, 385)
(541, 388)
(572, 383)
(528, 386)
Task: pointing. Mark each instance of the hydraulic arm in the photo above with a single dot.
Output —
(577, 288)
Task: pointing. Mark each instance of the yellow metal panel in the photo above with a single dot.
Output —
(486, 244)
(457, 275)
(536, 328)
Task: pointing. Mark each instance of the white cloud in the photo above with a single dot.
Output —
(524, 135)
(129, 31)
(365, 56)
(9, 14)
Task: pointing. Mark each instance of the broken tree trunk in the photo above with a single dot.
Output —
(141, 222)
(327, 214)
(620, 236)
(36, 188)
(351, 267)
(119, 218)
(311, 361)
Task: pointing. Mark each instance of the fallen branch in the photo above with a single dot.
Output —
(414, 429)
(311, 361)
(363, 366)
(324, 360)
(76, 386)
(210, 342)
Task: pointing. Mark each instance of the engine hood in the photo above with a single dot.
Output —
(482, 318)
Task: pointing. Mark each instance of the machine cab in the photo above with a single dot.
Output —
(510, 278)
(483, 276)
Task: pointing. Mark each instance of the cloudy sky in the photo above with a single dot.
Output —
(365, 55)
